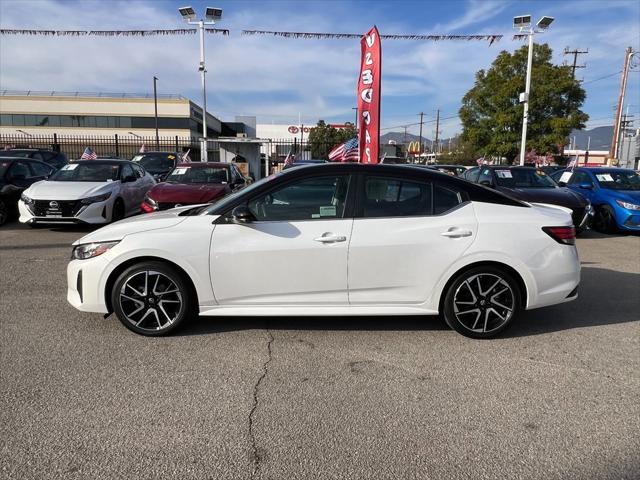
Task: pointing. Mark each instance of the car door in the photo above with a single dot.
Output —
(293, 252)
(129, 188)
(406, 233)
(143, 183)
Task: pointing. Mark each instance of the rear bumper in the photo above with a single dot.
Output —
(559, 283)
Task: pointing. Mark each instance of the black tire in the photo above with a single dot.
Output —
(493, 308)
(118, 210)
(604, 220)
(4, 213)
(141, 309)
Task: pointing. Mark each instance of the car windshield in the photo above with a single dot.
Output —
(156, 162)
(523, 178)
(87, 172)
(220, 206)
(618, 180)
(199, 175)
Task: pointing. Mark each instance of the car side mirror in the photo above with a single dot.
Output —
(241, 214)
(586, 186)
(486, 183)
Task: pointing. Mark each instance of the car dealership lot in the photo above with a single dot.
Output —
(556, 396)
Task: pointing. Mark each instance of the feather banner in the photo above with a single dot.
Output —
(316, 35)
(109, 33)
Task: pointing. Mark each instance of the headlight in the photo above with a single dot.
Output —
(26, 199)
(150, 200)
(627, 205)
(97, 198)
(90, 250)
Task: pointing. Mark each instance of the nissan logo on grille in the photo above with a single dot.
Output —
(53, 204)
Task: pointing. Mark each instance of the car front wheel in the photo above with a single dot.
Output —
(152, 298)
(482, 302)
(604, 220)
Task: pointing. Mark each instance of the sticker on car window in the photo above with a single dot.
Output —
(315, 215)
(180, 171)
(328, 211)
(504, 174)
(171, 157)
(565, 177)
(604, 177)
(70, 166)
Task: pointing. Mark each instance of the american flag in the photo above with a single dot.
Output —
(289, 159)
(481, 161)
(88, 154)
(572, 163)
(142, 149)
(345, 152)
(185, 157)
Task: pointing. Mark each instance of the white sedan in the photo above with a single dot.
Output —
(86, 191)
(345, 239)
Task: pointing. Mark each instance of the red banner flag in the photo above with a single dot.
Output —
(369, 97)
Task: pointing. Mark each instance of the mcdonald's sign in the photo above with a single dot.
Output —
(414, 147)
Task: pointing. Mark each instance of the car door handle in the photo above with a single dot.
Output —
(330, 238)
(457, 233)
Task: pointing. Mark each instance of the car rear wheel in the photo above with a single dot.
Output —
(152, 298)
(482, 302)
(604, 220)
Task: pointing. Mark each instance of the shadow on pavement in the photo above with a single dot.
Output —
(606, 297)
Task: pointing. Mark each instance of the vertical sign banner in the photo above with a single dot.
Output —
(369, 84)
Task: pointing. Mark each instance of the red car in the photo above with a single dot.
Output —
(192, 184)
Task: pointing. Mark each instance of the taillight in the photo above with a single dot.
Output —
(564, 235)
(146, 208)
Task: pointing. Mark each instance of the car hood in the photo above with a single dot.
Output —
(187, 193)
(139, 223)
(50, 190)
(555, 196)
(632, 196)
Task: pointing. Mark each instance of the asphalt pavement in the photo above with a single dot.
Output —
(555, 397)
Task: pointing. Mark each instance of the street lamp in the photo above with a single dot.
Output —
(523, 24)
(155, 104)
(135, 135)
(211, 15)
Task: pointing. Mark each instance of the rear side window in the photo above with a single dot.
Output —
(139, 171)
(444, 199)
(471, 174)
(40, 169)
(392, 197)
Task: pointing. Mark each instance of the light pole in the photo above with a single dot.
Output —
(135, 135)
(523, 24)
(155, 103)
(211, 15)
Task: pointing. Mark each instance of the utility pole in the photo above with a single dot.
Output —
(613, 151)
(421, 116)
(437, 128)
(575, 54)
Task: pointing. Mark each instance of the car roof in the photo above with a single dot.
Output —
(103, 161)
(607, 169)
(204, 164)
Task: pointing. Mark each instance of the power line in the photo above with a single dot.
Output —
(418, 123)
(602, 78)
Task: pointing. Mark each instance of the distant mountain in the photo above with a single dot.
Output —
(600, 138)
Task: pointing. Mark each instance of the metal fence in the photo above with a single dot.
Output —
(108, 145)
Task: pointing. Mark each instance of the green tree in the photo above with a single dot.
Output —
(492, 115)
(323, 137)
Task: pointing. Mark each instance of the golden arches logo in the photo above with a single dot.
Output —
(414, 147)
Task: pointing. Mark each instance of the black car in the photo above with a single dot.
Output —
(158, 164)
(17, 174)
(299, 163)
(53, 158)
(455, 170)
(533, 186)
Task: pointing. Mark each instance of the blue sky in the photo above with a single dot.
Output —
(279, 79)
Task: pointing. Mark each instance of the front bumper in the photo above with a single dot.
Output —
(94, 213)
(84, 289)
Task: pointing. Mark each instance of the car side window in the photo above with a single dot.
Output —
(40, 169)
(485, 176)
(444, 199)
(472, 174)
(127, 171)
(138, 171)
(317, 198)
(393, 197)
(580, 177)
(37, 156)
(19, 171)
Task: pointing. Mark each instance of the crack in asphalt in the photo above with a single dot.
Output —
(255, 454)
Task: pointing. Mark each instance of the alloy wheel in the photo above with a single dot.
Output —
(483, 303)
(150, 300)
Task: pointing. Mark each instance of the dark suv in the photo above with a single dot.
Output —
(56, 159)
(158, 164)
(16, 174)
